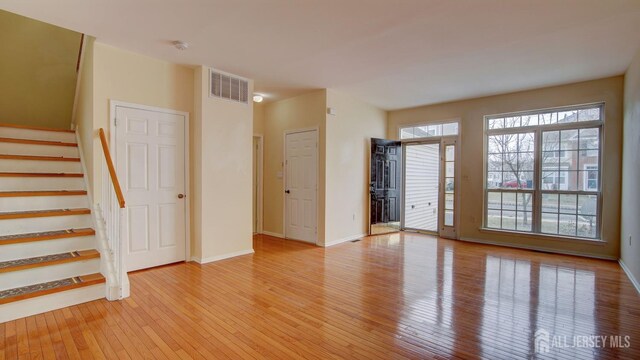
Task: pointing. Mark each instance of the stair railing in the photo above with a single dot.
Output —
(113, 212)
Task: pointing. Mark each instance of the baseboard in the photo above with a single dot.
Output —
(264, 232)
(627, 271)
(344, 239)
(221, 257)
(538, 248)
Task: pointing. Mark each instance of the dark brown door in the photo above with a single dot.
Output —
(385, 188)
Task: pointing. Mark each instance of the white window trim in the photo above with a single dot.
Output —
(538, 130)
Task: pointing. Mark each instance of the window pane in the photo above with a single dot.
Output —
(548, 118)
(569, 140)
(589, 114)
(494, 162)
(587, 204)
(590, 139)
(508, 201)
(449, 185)
(524, 221)
(509, 220)
(448, 218)
(450, 129)
(494, 200)
(567, 225)
(568, 204)
(512, 122)
(550, 141)
(525, 142)
(450, 153)
(494, 180)
(493, 219)
(549, 223)
(496, 123)
(525, 161)
(524, 202)
(449, 168)
(587, 226)
(567, 116)
(550, 202)
(448, 201)
(406, 133)
(530, 120)
(526, 180)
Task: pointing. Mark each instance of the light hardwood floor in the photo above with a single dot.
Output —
(385, 297)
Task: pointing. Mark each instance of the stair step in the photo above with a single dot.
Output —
(37, 142)
(40, 128)
(22, 174)
(47, 260)
(31, 291)
(46, 235)
(41, 158)
(42, 193)
(42, 213)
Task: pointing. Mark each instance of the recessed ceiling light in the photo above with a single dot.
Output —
(181, 45)
(258, 98)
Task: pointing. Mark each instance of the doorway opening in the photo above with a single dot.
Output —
(257, 177)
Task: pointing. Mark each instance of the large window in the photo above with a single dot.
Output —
(543, 171)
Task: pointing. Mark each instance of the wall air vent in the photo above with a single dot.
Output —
(230, 87)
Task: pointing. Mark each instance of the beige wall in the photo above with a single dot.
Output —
(630, 248)
(126, 76)
(301, 112)
(471, 112)
(83, 115)
(348, 135)
(38, 72)
(221, 157)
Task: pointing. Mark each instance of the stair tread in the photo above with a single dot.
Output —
(37, 142)
(42, 193)
(45, 235)
(39, 128)
(31, 291)
(38, 158)
(42, 213)
(47, 260)
(28, 174)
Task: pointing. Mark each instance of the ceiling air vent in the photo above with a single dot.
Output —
(230, 87)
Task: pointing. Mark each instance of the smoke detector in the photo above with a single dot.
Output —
(181, 45)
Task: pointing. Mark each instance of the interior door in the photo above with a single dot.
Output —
(150, 156)
(421, 186)
(385, 187)
(301, 164)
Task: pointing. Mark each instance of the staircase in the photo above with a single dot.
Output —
(47, 238)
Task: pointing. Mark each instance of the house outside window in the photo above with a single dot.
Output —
(543, 171)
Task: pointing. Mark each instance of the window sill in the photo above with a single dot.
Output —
(543, 236)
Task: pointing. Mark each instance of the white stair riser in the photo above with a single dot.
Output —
(16, 279)
(38, 150)
(33, 166)
(8, 204)
(51, 223)
(41, 304)
(36, 184)
(45, 247)
(16, 133)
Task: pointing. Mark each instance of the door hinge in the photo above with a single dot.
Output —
(115, 122)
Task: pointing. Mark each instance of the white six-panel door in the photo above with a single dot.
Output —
(301, 166)
(150, 156)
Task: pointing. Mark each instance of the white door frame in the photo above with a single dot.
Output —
(113, 105)
(260, 183)
(316, 129)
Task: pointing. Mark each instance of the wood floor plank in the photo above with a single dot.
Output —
(395, 296)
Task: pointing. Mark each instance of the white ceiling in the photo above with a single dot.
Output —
(391, 53)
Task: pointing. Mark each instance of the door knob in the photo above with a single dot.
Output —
(287, 191)
(180, 196)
